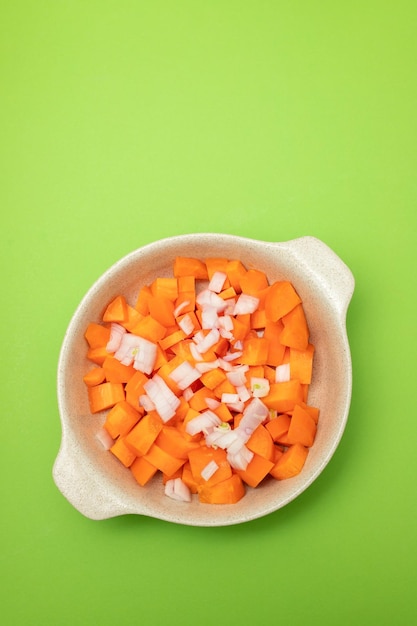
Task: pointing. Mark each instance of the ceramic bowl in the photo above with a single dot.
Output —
(97, 484)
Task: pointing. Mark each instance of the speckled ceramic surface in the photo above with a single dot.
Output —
(96, 484)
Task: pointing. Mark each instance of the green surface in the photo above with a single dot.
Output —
(123, 122)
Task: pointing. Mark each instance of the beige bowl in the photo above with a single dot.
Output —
(97, 485)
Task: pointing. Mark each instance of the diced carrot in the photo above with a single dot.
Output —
(201, 456)
(133, 317)
(142, 470)
(170, 340)
(149, 328)
(161, 357)
(165, 287)
(116, 372)
(291, 462)
(188, 266)
(97, 355)
(142, 436)
(301, 364)
(175, 442)
(217, 264)
(166, 463)
(257, 469)
(258, 319)
(302, 428)
(123, 452)
(280, 299)
(161, 309)
(241, 326)
(213, 378)
(283, 396)
(116, 311)
(295, 333)
(199, 400)
(121, 419)
(223, 412)
(235, 270)
(278, 452)
(276, 349)
(228, 491)
(228, 293)
(225, 386)
(97, 335)
(255, 351)
(142, 302)
(261, 442)
(104, 396)
(186, 284)
(94, 376)
(188, 477)
(313, 411)
(134, 388)
(278, 426)
(253, 281)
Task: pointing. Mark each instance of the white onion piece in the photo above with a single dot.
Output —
(146, 402)
(164, 399)
(137, 350)
(237, 376)
(259, 386)
(245, 304)
(243, 393)
(212, 403)
(237, 406)
(188, 394)
(229, 398)
(223, 437)
(185, 374)
(209, 298)
(182, 305)
(202, 423)
(209, 470)
(209, 317)
(176, 489)
(217, 281)
(282, 373)
(195, 352)
(241, 459)
(208, 341)
(230, 306)
(186, 324)
(105, 438)
(206, 366)
(116, 333)
(253, 415)
(231, 356)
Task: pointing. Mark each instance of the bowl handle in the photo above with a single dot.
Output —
(77, 481)
(322, 262)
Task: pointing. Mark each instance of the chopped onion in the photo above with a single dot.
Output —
(188, 394)
(237, 376)
(231, 356)
(202, 423)
(241, 459)
(206, 366)
(217, 281)
(243, 392)
(212, 403)
(245, 304)
(206, 297)
(229, 398)
(182, 305)
(176, 489)
(185, 374)
(282, 373)
(208, 341)
(104, 438)
(146, 402)
(116, 333)
(165, 400)
(209, 317)
(210, 469)
(186, 324)
(137, 350)
(259, 386)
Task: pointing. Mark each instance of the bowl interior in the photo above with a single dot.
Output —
(105, 487)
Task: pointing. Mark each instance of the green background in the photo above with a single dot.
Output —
(123, 122)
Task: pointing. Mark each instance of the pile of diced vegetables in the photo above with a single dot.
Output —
(205, 379)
